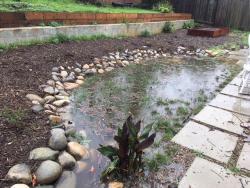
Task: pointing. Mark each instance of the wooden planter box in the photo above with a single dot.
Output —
(208, 32)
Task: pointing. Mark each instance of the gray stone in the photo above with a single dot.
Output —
(86, 66)
(108, 69)
(19, 186)
(60, 103)
(55, 69)
(66, 160)
(232, 104)
(50, 107)
(50, 90)
(77, 70)
(43, 153)
(33, 97)
(20, 173)
(48, 172)
(100, 71)
(55, 77)
(244, 159)
(51, 83)
(77, 150)
(64, 74)
(67, 180)
(79, 82)
(70, 130)
(49, 99)
(58, 140)
(221, 119)
(206, 174)
(213, 143)
(70, 86)
(37, 108)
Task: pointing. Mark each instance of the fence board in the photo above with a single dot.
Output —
(232, 13)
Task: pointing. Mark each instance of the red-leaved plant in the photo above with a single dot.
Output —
(127, 159)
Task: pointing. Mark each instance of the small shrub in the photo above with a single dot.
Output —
(163, 7)
(182, 111)
(54, 24)
(127, 158)
(145, 33)
(157, 161)
(168, 27)
(190, 25)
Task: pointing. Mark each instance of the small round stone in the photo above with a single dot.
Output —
(43, 153)
(77, 150)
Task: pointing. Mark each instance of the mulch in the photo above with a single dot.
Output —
(24, 69)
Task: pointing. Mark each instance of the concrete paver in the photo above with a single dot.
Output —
(233, 90)
(232, 104)
(222, 119)
(206, 174)
(213, 143)
(244, 159)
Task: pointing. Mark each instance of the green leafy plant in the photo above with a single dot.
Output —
(168, 27)
(163, 6)
(13, 117)
(54, 24)
(127, 159)
(190, 25)
(145, 33)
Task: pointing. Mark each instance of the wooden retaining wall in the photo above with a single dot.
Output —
(36, 18)
(231, 13)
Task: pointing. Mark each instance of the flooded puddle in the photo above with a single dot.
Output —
(164, 91)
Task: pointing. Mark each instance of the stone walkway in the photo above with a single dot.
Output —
(215, 132)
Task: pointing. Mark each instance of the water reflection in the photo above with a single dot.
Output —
(105, 101)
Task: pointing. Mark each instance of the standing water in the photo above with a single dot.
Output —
(168, 89)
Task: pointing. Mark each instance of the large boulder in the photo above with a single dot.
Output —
(43, 153)
(20, 173)
(58, 140)
(48, 172)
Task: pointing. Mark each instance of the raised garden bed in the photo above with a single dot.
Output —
(208, 32)
(37, 18)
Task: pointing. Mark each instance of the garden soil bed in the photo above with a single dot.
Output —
(24, 69)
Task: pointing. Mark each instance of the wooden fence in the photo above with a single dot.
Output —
(231, 13)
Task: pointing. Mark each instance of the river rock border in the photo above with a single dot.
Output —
(63, 152)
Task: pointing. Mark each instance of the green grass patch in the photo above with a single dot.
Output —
(235, 45)
(62, 6)
(13, 117)
(161, 159)
(60, 38)
(182, 111)
(235, 170)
